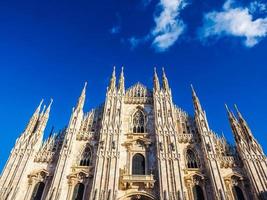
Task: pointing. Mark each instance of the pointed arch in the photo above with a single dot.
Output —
(38, 191)
(138, 164)
(86, 156)
(192, 160)
(138, 121)
(198, 193)
(78, 192)
(238, 193)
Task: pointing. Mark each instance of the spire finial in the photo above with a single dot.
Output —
(47, 111)
(156, 80)
(85, 85)
(39, 107)
(81, 99)
(51, 102)
(121, 81)
(112, 84)
(193, 90)
(43, 110)
(196, 101)
(227, 109)
(229, 112)
(165, 80)
(41, 102)
(240, 117)
(114, 71)
(122, 72)
(238, 112)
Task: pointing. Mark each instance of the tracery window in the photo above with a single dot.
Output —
(139, 122)
(38, 191)
(191, 159)
(78, 192)
(138, 164)
(198, 193)
(86, 157)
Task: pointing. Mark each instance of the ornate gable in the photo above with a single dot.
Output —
(138, 93)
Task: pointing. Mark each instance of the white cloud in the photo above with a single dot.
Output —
(168, 26)
(234, 21)
(134, 42)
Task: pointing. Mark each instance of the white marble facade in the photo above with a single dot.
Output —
(137, 145)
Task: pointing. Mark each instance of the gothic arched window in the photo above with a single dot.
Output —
(139, 122)
(38, 191)
(86, 157)
(78, 192)
(138, 164)
(198, 193)
(238, 193)
(191, 159)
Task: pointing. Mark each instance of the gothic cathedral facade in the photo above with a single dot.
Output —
(138, 145)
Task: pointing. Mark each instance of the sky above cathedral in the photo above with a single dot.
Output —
(48, 49)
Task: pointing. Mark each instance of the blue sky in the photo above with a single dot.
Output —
(50, 48)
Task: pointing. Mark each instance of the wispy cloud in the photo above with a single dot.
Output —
(257, 7)
(234, 21)
(115, 29)
(168, 26)
(134, 42)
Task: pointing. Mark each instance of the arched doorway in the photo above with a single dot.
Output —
(138, 164)
(238, 193)
(38, 191)
(78, 192)
(198, 193)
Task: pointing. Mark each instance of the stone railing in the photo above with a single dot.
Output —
(134, 181)
(228, 161)
(138, 100)
(186, 138)
(85, 135)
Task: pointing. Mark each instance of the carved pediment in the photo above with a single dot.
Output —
(140, 141)
(41, 172)
(80, 173)
(195, 178)
(234, 175)
(38, 175)
(234, 179)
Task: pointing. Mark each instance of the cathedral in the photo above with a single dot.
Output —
(137, 145)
